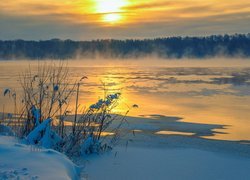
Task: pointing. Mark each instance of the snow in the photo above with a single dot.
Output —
(86, 145)
(36, 134)
(36, 114)
(19, 161)
(133, 163)
(44, 136)
(166, 148)
(153, 151)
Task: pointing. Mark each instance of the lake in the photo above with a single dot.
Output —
(209, 95)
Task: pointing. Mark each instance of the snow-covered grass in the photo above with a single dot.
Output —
(19, 161)
(135, 163)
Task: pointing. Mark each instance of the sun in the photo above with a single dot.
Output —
(111, 10)
(112, 18)
(110, 6)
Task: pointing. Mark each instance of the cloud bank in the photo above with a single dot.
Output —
(81, 20)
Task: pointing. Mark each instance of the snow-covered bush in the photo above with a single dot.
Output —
(44, 136)
(43, 110)
(6, 131)
(46, 94)
(90, 126)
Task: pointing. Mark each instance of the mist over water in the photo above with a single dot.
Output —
(152, 61)
(213, 91)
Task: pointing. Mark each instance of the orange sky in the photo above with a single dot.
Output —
(93, 19)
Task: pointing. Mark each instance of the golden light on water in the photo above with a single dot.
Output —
(111, 10)
(145, 87)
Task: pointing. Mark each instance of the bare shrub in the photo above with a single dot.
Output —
(91, 125)
(46, 95)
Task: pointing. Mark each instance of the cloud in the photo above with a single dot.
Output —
(76, 19)
(150, 5)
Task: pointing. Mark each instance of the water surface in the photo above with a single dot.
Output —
(209, 95)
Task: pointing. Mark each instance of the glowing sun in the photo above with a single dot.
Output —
(112, 18)
(111, 10)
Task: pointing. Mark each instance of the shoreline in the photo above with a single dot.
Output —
(176, 163)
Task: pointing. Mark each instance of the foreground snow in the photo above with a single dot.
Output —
(18, 161)
(166, 148)
(174, 163)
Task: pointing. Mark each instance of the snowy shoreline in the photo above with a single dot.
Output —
(145, 154)
(171, 157)
(141, 154)
(19, 161)
(134, 163)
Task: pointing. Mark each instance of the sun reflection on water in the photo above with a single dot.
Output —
(194, 98)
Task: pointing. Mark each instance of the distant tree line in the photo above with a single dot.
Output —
(237, 45)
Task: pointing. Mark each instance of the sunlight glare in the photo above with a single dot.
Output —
(112, 18)
(111, 9)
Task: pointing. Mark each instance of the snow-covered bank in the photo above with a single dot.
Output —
(163, 163)
(146, 154)
(18, 161)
